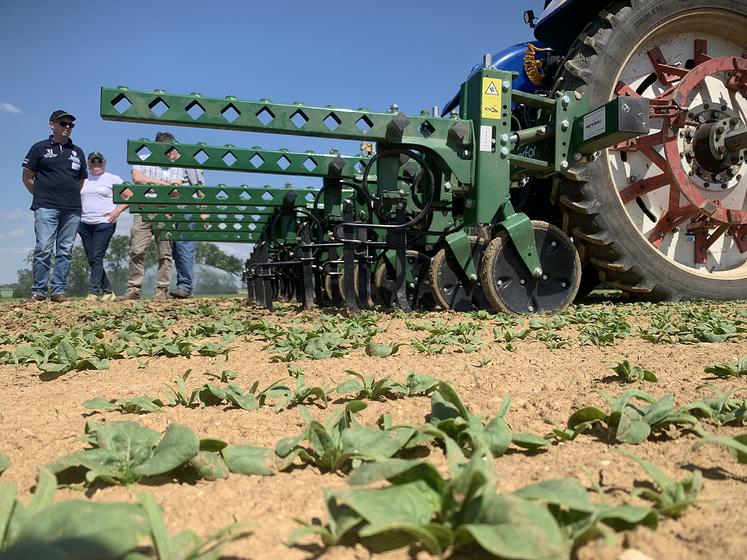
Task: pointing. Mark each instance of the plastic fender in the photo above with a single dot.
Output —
(562, 20)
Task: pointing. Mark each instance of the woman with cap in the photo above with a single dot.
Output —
(98, 222)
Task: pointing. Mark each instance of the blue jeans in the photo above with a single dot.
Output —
(183, 253)
(95, 238)
(55, 232)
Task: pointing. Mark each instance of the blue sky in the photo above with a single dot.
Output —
(368, 54)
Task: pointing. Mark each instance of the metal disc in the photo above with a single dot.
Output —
(450, 288)
(419, 291)
(512, 288)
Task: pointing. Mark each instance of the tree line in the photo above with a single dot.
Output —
(116, 263)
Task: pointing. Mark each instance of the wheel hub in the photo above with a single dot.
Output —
(707, 171)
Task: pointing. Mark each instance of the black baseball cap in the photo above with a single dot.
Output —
(59, 113)
(96, 155)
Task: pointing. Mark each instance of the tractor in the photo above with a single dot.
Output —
(662, 216)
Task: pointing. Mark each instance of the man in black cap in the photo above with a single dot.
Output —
(53, 172)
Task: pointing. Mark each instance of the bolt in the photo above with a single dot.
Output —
(499, 282)
(565, 100)
(718, 177)
(632, 179)
(564, 284)
(506, 86)
(563, 165)
(473, 277)
(724, 185)
(469, 203)
(691, 173)
(689, 134)
(537, 272)
(578, 95)
(411, 285)
(544, 276)
(738, 177)
(733, 121)
(504, 153)
(720, 130)
(701, 118)
(553, 244)
(731, 172)
(394, 107)
(454, 114)
(504, 139)
(722, 150)
(689, 154)
(577, 156)
(530, 308)
(564, 125)
(706, 184)
(522, 281)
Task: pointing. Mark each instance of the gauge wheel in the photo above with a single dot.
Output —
(657, 215)
(510, 286)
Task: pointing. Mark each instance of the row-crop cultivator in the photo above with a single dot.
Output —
(445, 210)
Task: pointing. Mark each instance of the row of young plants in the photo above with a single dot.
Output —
(100, 336)
(125, 452)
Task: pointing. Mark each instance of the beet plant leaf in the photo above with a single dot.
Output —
(450, 416)
(124, 452)
(464, 513)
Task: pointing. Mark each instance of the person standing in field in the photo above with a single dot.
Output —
(53, 172)
(183, 252)
(98, 223)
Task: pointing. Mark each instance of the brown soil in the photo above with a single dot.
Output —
(41, 418)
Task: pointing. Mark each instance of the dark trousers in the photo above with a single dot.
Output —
(95, 238)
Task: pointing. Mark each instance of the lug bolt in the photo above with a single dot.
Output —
(563, 165)
(522, 281)
(504, 139)
(577, 156)
(504, 153)
(565, 100)
(564, 125)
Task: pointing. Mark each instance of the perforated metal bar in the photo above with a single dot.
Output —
(206, 227)
(246, 218)
(177, 209)
(230, 113)
(210, 195)
(256, 160)
(225, 236)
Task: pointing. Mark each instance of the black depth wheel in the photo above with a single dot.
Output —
(451, 289)
(419, 292)
(512, 288)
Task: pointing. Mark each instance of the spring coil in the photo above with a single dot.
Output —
(532, 66)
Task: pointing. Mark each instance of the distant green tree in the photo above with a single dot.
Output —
(210, 254)
(23, 285)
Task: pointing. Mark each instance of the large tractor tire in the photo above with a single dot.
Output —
(655, 218)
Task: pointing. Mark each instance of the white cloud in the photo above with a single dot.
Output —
(23, 214)
(9, 108)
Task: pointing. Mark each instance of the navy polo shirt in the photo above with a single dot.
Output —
(59, 169)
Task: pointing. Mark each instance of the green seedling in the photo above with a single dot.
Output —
(721, 407)
(381, 350)
(726, 370)
(302, 394)
(133, 405)
(125, 452)
(672, 497)
(340, 443)
(419, 384)
(367, 387)
(737, 445)
(86, 529)
(465, 513)
(453, 422)
(630, 373)
(633, 418)
(223, 376)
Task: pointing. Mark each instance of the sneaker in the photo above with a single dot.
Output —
(108, 296)
(58, 298)
(92, 297)
(160, 293)
(180, 293)
(36, 298)
(129, 294)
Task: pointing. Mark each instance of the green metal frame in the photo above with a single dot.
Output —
(254, 160)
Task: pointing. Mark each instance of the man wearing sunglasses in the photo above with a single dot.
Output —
(53, 172)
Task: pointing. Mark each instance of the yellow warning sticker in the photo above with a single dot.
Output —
(491, 98)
